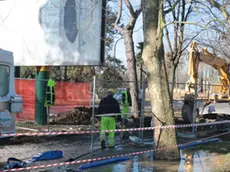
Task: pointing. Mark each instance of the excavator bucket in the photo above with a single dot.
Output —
(187, 108)
(187, 113)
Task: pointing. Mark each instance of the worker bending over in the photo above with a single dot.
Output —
(107, 107)
(126, 102)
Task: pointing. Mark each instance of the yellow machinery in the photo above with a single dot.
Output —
(219, 104)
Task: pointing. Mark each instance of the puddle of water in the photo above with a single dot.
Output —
(143, 163)
(204, 161)
(199, 161)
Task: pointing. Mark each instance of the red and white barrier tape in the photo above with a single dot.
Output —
(117, 130)
(109, 157)
(49, 133)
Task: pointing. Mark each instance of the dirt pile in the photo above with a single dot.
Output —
(77, 116)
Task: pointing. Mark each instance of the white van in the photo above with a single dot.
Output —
(10, 102)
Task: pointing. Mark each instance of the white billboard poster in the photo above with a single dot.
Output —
(51, 32)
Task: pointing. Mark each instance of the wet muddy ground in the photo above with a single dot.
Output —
(73, 146)
(208, 157)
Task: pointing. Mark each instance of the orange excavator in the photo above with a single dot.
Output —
(218, 105)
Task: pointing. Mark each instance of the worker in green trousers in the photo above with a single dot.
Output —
(108, 108)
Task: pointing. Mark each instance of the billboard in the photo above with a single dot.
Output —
(52, 32)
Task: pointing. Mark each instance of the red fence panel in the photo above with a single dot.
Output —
(26, 88)
(68, 95)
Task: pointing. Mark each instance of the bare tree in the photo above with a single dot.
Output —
(127, 33)
(217, 36)
(223, 7)
(178, 44)
(153, 57)
(217, 40)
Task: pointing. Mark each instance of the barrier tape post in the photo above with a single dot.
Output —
(113, 156)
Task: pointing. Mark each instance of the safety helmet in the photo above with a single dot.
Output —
(110, 91)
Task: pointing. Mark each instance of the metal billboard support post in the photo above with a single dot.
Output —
(48, 118)
(93, 113)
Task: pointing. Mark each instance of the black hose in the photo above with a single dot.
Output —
(73, 159)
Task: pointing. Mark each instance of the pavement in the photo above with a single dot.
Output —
(73, 146)
(24, 148)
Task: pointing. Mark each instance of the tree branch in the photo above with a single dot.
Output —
(176, 29)
(168, 40)
(172, 7)
(194, 23)
(173, 11)
(138, 11)
(133, 20)
(191, 39)
(119, 29)
(130, 8)
(221, 8)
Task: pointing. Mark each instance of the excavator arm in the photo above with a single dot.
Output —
(195, 57)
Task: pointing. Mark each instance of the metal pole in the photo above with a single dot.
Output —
(93, 113)
(141, 77)
(208, 91)
(194, 109)
(115, 49)
(143, 108)
(48, 117)
(91, 98)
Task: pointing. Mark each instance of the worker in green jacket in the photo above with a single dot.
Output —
(50, 95)
(126, 102)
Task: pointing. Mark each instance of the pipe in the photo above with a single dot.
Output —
(103, 162)
(198, 143)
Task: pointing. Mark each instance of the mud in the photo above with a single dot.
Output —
(77, 116)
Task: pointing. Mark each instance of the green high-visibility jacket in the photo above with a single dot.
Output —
(50, 94)
(125, 104)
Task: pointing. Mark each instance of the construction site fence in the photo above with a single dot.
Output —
(69, 95)
(204, 91)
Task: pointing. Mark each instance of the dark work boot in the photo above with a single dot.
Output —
(111, 147)
(103, 144)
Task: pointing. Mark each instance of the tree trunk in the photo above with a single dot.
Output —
(131, 64)
(153, 56)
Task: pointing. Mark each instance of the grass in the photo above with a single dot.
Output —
(217, 147)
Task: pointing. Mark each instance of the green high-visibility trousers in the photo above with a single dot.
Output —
(108, 123)
(124, 111)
